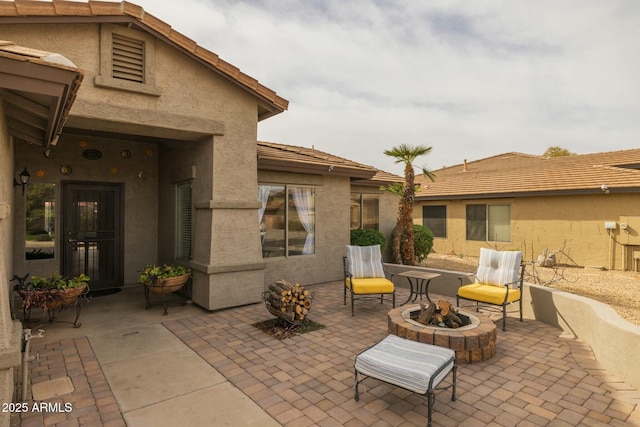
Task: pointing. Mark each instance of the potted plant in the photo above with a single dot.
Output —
(163, 279)
(166, 278)
(51, 293)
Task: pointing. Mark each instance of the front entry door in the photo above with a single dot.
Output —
(92, 227)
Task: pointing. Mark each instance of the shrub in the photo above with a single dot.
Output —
(422, 242)
(368, 237)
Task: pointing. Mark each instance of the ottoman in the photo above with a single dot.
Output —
(408, 364)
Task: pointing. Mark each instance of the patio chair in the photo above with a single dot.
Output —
(498, 281)
(364, 275)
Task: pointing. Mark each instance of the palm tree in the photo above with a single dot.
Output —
(402, 235)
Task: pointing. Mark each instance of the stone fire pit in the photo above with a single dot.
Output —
(472, 343)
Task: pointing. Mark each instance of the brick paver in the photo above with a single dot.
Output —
(538, 377)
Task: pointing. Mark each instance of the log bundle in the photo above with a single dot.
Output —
(443, 314)
(288, 301)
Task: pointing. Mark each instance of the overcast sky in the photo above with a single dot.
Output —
(472, 79)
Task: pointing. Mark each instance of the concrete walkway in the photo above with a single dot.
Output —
(194, 368)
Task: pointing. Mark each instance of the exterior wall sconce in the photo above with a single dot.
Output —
(24, 179)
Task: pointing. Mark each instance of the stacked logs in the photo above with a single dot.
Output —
(443, 314)
(287, 301)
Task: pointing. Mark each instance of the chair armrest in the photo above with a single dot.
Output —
(460, 278)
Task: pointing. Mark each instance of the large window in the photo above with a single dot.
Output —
(184, 221)
(491, 223)
(435, 219)
(365, 211)
(287, 220)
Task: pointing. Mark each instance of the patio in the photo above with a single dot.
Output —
(538, 377)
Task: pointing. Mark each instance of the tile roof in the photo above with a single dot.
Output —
(518, 174)
(103, 11)
(273, 156)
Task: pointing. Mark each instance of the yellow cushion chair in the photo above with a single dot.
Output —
(364, 275)
(498, 281)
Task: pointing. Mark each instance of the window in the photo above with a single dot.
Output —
(435, 219)
(127, 60)
(184, 221)
(365, 211)
(491, 223)
(40, 221)
(287, 220)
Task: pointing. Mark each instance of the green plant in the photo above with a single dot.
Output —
(422, 242)
(368, 237)
(50, 292)
(151, 272)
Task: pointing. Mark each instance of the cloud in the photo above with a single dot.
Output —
(471, 79)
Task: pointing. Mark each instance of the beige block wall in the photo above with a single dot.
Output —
(10, 331)
(573, 224)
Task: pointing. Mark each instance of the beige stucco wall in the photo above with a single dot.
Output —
(190, 107)
(140, 195)
(573, 224)
(10, 331)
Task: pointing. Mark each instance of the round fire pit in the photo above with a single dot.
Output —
(472, 343)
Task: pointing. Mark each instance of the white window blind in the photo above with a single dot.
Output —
(184, 232)
(128, 58)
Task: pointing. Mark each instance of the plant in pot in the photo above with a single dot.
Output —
(51, 293)
(163, 279)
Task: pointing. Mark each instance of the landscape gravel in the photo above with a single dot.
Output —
(618, 289)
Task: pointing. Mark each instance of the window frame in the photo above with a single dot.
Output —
(361, 209)
(487, 223)
(181, 227)
(435, 229)
(286, 221)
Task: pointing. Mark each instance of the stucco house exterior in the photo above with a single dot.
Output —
(586, 208)
(142, 148)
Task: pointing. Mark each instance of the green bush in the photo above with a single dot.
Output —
(422, 242)
(368, 237)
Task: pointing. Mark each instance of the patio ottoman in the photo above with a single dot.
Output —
(411, 365)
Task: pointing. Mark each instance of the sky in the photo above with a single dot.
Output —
(471, 79)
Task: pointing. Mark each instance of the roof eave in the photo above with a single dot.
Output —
(314, 169)
(573, 192)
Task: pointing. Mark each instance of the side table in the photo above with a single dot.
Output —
(418, 280)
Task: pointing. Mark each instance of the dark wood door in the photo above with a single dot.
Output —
(92, 226)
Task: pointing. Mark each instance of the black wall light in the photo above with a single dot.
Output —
(24, 179)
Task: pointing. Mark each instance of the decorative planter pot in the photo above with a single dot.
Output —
(51, 300)
(165, 287)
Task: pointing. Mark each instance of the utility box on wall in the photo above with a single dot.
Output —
(630, 233)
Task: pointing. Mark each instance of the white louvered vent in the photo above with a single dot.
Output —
(128, 59)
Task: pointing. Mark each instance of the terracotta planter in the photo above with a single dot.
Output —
(168, 285)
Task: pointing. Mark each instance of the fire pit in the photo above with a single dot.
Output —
(472, 343)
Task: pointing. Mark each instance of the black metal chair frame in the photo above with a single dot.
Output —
(349, 276)
(503, 306)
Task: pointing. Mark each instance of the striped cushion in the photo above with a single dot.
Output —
(365, 261)
(498, 267)
(408, 364)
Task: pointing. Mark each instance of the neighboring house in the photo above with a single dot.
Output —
(586, 208)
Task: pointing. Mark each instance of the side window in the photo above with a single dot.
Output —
(184, 221)
(435, 219)
(364, 211)
(40, 219)
(491, 223)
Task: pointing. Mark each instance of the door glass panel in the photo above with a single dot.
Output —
(40, 220)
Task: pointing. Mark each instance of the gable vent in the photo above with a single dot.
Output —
(128, 59)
